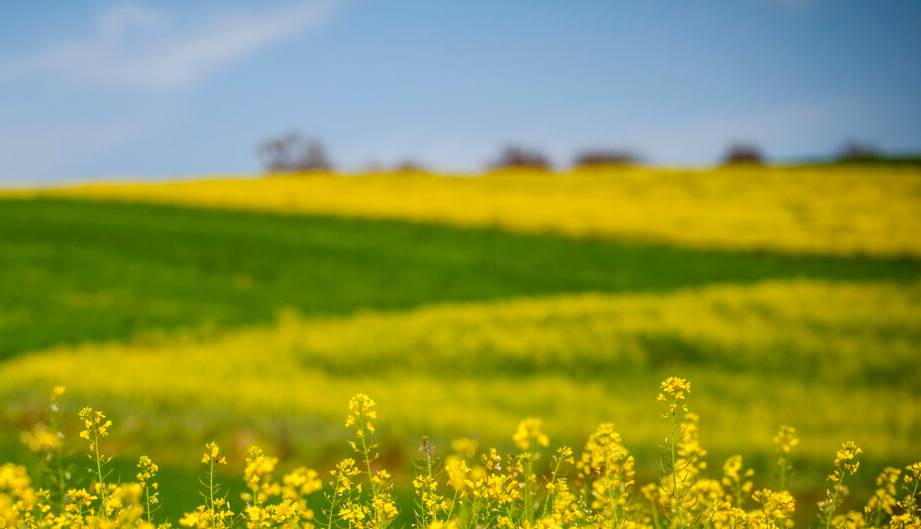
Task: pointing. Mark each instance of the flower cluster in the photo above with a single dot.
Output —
(361, 415)
(530, 432)
(95, 426)
(674, 391)
(212, 455)
(361, 503)
(784, 443)
(593, 489)
(846, 462)
(269, 503)
(147, 473)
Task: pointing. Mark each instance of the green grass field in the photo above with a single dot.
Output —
(93, 271)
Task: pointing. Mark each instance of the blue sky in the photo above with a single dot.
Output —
(100, 89)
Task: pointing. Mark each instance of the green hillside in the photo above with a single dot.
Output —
(90, 271)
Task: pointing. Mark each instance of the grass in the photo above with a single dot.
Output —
(81, 271)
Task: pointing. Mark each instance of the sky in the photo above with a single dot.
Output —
(159, 90)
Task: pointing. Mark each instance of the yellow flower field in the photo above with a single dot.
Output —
(529, 487)
(835, 360)
(835, 356)
(813, 209)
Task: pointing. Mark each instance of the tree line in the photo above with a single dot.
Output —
(292, 152)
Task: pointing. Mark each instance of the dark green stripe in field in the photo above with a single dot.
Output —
(81, 270)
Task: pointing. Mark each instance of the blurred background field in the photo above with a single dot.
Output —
(840, 209)
(256, 317)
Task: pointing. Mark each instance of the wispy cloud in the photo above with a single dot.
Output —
(140, 46)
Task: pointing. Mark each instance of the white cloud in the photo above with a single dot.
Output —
(139, 46)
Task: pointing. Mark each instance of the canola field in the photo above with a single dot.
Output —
(248, 311)
(838, 210)
(598, 490)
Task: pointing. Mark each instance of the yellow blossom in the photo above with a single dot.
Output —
(674, 391)
(41, 439)
(361, 414)
(530, 430)
(95, 426)
(212, 455)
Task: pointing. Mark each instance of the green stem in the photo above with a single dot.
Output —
(367, 458)
(428, 468)
(474, 512)
(611, 497)
(655, 516)
(56, 459)
(100, 480)
(453, 503)
(556, 470)
(740, 501)
(62, 488)
(211, 491)
(332, 510)
(834, 501)
(783, 473)
(527, 489)
(147, 500)
(677, 502)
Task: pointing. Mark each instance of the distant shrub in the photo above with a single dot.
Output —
(409, 166)
(605, 157)
(293, 152)
(854, 151)
(373, 166)
(743, 153)
(517, 156)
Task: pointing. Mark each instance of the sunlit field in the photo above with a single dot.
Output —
(250, 311)
(837, 209)
(108, 271)
(772, 350)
